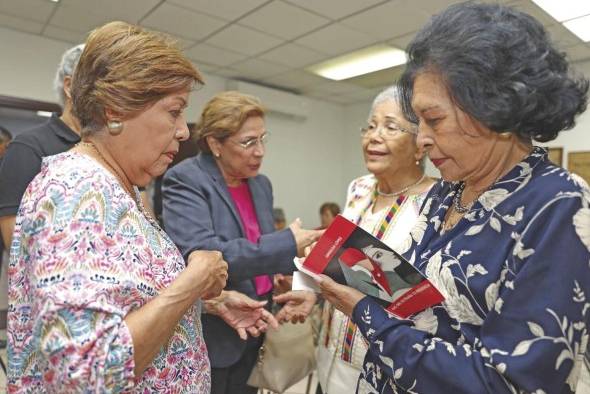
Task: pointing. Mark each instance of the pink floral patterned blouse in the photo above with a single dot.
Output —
(83, 257)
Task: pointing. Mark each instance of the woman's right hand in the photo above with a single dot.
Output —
(344, 298)
(303, 237)
(209, 270)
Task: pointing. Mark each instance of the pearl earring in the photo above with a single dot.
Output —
(115, 127)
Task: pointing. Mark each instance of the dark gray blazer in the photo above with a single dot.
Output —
(199, 214)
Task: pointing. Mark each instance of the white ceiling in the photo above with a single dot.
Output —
(265, 41)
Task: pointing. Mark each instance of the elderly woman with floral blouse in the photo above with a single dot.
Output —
(505, 236)
(100, 298)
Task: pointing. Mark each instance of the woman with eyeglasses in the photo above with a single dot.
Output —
(219, 201)
(386, 203)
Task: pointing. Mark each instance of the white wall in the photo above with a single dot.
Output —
(355, 117)
(28, 64)
(304, 162)
(578, 138)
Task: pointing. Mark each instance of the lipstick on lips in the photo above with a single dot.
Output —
(171, 155)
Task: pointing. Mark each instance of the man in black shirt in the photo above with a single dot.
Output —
(23, 157)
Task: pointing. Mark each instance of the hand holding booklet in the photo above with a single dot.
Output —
(351, 256)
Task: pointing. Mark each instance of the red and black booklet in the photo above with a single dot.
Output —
(353, 257)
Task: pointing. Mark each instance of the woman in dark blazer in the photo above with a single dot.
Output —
(218, 201)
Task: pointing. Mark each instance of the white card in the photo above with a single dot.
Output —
(302, 281)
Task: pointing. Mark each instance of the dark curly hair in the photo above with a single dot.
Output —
(500, 67)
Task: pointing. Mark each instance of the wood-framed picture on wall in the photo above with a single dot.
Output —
(579, 163)
(555, 155)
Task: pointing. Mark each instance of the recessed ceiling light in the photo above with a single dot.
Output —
(580, 27)
(563, 10)
(360, 62)
(46, 114)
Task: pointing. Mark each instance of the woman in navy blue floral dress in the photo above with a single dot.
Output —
(505, 236)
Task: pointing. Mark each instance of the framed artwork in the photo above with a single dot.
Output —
(579, 163)
(556, 155)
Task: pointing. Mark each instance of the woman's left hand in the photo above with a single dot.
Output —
(344, 298)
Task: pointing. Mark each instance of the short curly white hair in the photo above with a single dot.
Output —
(392, 93)
(66, 68)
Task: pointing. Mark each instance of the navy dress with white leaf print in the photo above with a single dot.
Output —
(515, 273)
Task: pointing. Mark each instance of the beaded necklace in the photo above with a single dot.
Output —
(460, 208)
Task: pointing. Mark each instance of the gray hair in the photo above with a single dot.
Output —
(391, 93)
(66, 68)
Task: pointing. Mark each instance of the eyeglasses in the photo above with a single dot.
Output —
(386, 131)
(250, 143)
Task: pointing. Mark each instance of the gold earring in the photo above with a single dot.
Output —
(115, 127)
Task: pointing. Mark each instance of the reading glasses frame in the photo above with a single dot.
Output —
(387, 131)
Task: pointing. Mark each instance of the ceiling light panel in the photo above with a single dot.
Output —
(364, 61)
(580, 27)
(563, 10)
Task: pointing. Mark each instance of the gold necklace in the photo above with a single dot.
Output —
(130, 191)
(112, 169)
